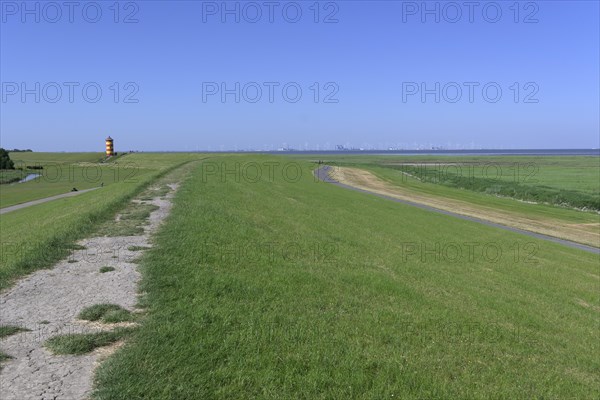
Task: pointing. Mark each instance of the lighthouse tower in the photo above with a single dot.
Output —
(110, 149)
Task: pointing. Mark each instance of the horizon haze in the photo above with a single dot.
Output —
(220, 76)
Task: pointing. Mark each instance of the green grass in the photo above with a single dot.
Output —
(530, 211)
(12, 175)
(107, 313)
(63, 177)
(5, 331)
(306, 290)
(477, 181)
(8, 330)
(63, 171)
(37, 237)
(106, 269)
(138, 212)
(60, 172)
(571, 173)
(131, 223)
(41, 158)
(75, 246)
(559, 180)
(120, 229)
(83, 343)
(137, 248)
(152, 193)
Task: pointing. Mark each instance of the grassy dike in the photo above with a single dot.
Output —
(36, 237)
(274, 288)
(532, 211)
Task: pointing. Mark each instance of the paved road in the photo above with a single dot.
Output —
(44, 200)
(323, 174)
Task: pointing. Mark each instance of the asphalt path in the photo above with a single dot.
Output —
(44, 200)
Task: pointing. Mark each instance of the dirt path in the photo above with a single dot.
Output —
(44, 200)
(366, 182)
(47, 303)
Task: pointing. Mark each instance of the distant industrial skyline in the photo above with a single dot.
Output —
(327, 147)
(362, 74)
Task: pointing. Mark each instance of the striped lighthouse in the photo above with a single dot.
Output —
(110, 149)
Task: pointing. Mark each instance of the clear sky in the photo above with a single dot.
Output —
(388, 73)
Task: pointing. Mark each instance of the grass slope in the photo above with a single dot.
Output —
(38, 236)
(60, 177)
(588, 221)
(63, 171)
(570, 173)
(304, 290)
(42, 158)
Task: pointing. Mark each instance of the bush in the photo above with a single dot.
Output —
(5, 161)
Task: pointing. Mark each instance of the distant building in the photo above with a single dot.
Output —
(110, 148)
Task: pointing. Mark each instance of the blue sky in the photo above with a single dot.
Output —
(369, 60)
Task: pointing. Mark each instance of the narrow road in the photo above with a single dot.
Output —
(44, 200)
(322, 173)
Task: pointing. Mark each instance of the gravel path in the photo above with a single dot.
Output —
(47, 303)
(44, 200)
(322, 174)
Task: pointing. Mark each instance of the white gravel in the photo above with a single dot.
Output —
(47, 303)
